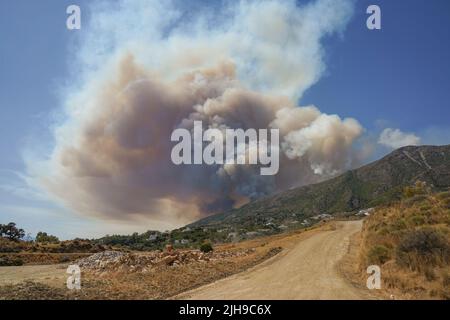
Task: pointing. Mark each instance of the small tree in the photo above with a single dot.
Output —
(44, 237)
(11, 232)
(206, 247)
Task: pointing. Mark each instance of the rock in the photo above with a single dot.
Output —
(116, 261)
(168, 260)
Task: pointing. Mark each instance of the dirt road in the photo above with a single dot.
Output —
(49, 274)
(307, 271)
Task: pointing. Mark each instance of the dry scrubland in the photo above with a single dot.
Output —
(159, 280)
(171, 273)
(410, 241)
(16, 253)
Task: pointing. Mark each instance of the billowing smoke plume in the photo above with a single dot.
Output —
(147, 68)
(395, 138)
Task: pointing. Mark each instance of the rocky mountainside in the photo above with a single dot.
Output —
(376, 183)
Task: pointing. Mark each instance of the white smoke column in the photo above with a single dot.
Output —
(395, 138)
(146, 68)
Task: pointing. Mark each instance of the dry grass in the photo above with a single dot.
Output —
(410, 241)
(43, 258)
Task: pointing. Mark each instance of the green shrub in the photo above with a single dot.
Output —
(65, 259)
(418, 190)
(415, 200)
(425, 208)
(6, 261)
(206, 247)
(447, 203)
(378, 254)
(419, 249)
(400, 224)
(10, 249)
(444, 195)
(417, 220)
(44, 237)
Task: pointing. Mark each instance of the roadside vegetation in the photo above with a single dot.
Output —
(410, 241)
(17, 249)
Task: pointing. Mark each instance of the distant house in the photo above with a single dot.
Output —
(184, 241)
(323, 216)
(153, 237)
(365, 212)
(187, 229)
(232, 235)
(251, 234)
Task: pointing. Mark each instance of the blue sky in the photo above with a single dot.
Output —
(397, 77)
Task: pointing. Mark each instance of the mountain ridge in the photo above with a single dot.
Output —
(378, 182)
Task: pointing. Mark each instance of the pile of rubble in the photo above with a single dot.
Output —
(109, 261)
(101, 259)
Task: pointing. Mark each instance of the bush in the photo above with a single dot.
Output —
(421, 248)
(64, 259)
(11, 249)
(444, 195)
(429, 273)
(11, 232)
(419, 189)
(446, 280)
(378, 254)
(417, 220)
(6, 261)
(206, 247)
(44, 237)
(399, 224)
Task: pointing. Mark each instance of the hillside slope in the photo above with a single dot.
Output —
(410, 241)
(376, 183)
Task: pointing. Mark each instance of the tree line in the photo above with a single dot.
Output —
(12, 232)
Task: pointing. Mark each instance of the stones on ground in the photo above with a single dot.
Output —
(117, 261)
